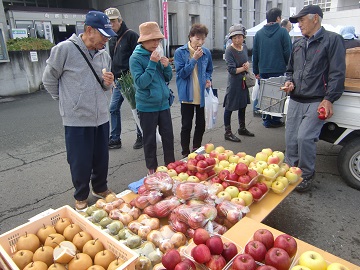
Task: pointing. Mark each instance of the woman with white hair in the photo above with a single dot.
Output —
(348, 33)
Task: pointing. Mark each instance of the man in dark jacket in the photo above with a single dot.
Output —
(271, 52)
(315, 80)
(121, 49)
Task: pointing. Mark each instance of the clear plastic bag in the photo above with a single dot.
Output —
(211, 108)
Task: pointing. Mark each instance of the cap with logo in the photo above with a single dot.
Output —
(101, 22)
(113, 13)
(310, 9)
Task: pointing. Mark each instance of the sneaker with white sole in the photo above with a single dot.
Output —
(102, 195)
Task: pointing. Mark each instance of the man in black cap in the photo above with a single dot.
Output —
(315, 80)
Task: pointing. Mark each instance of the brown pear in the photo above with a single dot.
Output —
(61, 224)
(22, 258)
(115, 264)
(80, 239)
(96, 267)
(44, 254)
(53, 240)
(57, 266)
(92, 247)
(38, 265)
(71, 230)
(81, 261)
(44, 231)
(104, 258)
(28, 241)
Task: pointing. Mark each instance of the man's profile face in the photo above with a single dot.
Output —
(115, 24)
(308, 25)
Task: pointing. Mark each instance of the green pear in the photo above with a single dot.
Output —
(125, 233)
(155, 256)
(91, 209)
(143, 263)
(115, 226)
(105, 221)
(146, 248)
(133, 241)
(98, 215)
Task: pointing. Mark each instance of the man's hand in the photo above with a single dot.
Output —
(288, 87)
(155, 56)
(328, 108)
(164, 61)
(108, 78)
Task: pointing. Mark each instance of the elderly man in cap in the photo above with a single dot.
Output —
(78, 75)
(121, 49)
(315, 80)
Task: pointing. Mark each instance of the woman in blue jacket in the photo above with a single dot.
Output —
(151, 73)
(193, 64)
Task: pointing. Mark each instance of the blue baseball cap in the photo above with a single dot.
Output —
(101, 22)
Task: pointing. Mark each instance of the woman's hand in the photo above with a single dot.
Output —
(164, 61)
(155, 56)
(208, 84)
(246, 66)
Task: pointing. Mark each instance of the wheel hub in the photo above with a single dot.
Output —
(354, 165)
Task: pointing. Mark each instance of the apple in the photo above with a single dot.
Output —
(278, 258)
(261, 156)
(296, 170)
(234, 158)
(232, 167)
(201, 236)
(172, 172)
(265, 181)
(215, 245)
(193, 178)
(191, 164)
(312, 260)
(186, 264)
(171, 165)
(216, 179)
(256, 193)
(201, 166)
(220, 149)
(280, 155)
(273, 159)
(181, 168)
(217, 262)
(232, 177)
(278, 187)
(282, 171)
(241, 169)
(262, 186)
(252, 173)
(267, 151)
(218, 168)
(170, 259)
(261, 164)
(267, 267)
(222, 156)
(225, 184)
(256, 249)
(209, 147)
(225, 195)
(265, 236)
(275, 167)
(250, 158)
(244, 160)
(238, 201)
(269, 173)
(285, 166)
(201, 253)
(183, 176)
(224, 163)
(336, 266)
(292, 177)
(283, 180)
(202, 176)
(200, 157)
(229, 251)
(210, 161)
(223, 174)
(233, 191)
(192, 155)
(241, 154)
(213, 154)
(244, 179)
(244, 262)
(246, 196)
(287, 243)
(161, 169)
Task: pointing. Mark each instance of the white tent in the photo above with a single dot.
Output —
(252, 31)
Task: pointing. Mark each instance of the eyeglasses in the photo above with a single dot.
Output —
(104, 37)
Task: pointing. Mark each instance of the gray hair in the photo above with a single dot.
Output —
(311, 16)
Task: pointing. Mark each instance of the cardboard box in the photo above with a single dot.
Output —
(8, 240)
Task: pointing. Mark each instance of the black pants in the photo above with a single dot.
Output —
(148, 122)
(187, 115)
(241, 117)
(88, 157)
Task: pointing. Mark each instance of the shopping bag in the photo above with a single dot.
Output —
(211, 108)
(255, 91)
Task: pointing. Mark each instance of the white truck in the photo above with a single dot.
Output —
(343, 128)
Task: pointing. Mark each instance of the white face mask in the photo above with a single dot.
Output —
(160, 50)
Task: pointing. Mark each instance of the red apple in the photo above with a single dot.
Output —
(266, 267)
(191, 173)
(244, 179)
(180, 168)
(171, 165)
(215, 244)
(201, 166)
(191, 164)
(244, 262)
(256, 192)
(252, 173)
(223, 174)
(186, 264)
(216, 179)
(170, 259)
(225, 184)
(200, 157)
(201, 236)
(201, 253)
(202, 176)
(217, 262)
(232, 177)
(287, 243)
(278, 258)
(211, 161)
(264, 236)
(230, 250)
(256, 249)
(241, 169)
(262, 186)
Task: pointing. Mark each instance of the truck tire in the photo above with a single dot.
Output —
(349, 163)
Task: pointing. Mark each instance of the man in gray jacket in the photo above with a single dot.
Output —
(83, 103)
(315, 80)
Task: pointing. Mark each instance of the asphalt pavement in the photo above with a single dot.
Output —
(34, 174)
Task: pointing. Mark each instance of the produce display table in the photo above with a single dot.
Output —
(247, 226)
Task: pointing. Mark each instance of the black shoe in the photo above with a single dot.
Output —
(114, 144)
(245, 132)
(305, 184)
(231, 137)
(138, 143)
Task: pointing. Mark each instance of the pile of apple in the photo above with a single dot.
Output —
(211, 251)
(62, 246)
(312, 260)
(275, 253)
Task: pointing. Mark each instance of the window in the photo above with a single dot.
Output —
(3, 50)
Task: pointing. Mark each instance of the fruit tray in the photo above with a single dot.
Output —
(242, 185)
(191, 245)
(206, 169)
(8, 240)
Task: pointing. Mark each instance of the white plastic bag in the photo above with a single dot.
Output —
(137, 120)
(255, 91)
(211, 108)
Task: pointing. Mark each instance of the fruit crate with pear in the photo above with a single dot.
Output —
(8, 240)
